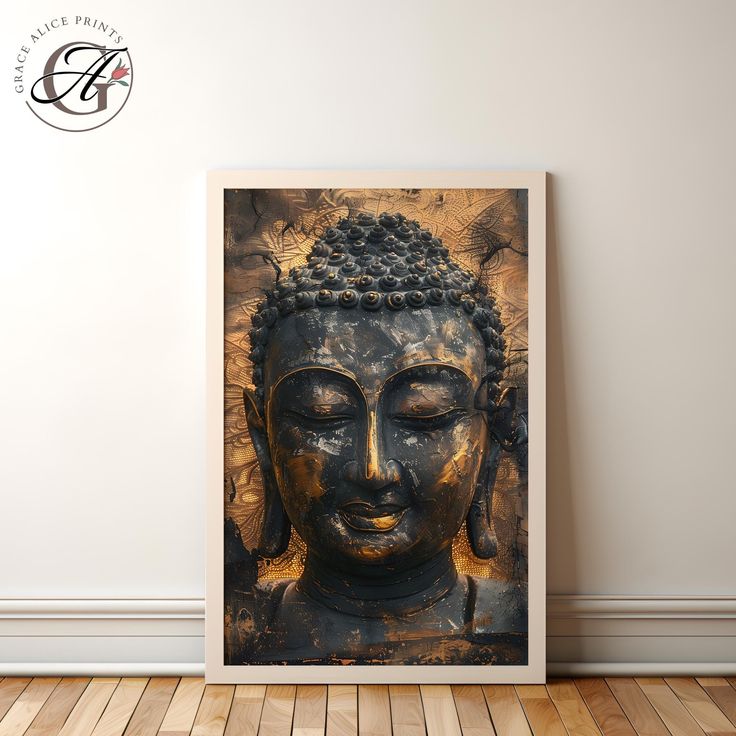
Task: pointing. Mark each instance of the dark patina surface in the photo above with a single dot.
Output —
(378, 423)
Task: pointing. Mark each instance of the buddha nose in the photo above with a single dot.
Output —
(372, 469)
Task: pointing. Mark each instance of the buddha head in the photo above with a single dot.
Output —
(377, 417)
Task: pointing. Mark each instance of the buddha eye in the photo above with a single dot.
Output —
(428, 422)
(321, 417)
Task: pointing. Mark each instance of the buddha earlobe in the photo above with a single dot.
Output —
(276, 530)
(478, 522)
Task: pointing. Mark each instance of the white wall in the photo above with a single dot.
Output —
(630, 105)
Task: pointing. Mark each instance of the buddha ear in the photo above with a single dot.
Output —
(504, 415)
(479, 519)
(276, 530)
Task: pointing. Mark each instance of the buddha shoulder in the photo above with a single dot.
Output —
(497, 606)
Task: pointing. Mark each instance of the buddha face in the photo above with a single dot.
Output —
(375, 423)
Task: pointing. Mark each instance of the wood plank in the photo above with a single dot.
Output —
(278, 710)
(121, 707)
(10, 690)
(506, 711)
(90, 707)
(20, 715)
(701, 707)
(407, 714)
(472, 711)
(605, 708)
(245, 712)
(636, 706)
(711, 681)
(179, 717)
(540, 710)
(574, 714)
(722, 694)
(440, 713)
(57, 708)
(672, 712)
(374, 710)
(310, 710)
(342, 710)
(151, 708)
(213, 710)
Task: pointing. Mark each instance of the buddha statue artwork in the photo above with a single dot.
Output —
(376, 425)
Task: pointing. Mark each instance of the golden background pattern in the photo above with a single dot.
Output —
(268, 230)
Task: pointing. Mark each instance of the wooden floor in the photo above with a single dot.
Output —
(172, 706)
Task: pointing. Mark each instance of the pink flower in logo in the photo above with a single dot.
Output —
(118, 73)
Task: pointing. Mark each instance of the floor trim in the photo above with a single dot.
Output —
(641, 669)
(640, 606)
(101, 607)
(102, 669)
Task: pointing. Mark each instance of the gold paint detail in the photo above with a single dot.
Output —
(371, 450)
(373, 524)
(306, 472)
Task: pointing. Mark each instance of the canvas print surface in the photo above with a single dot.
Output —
(375, 436)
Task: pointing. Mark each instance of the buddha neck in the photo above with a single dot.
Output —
(368, 593)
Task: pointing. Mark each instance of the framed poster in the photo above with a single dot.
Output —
(376, 427)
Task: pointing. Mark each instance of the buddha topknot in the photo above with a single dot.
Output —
(373, 263)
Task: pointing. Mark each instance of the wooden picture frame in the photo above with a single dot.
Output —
(444, 190)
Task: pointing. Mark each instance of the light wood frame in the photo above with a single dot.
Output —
(215, 669)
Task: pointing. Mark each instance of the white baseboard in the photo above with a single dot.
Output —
(586, 635)
(641, 669)
(102, 669)
(641, 635)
